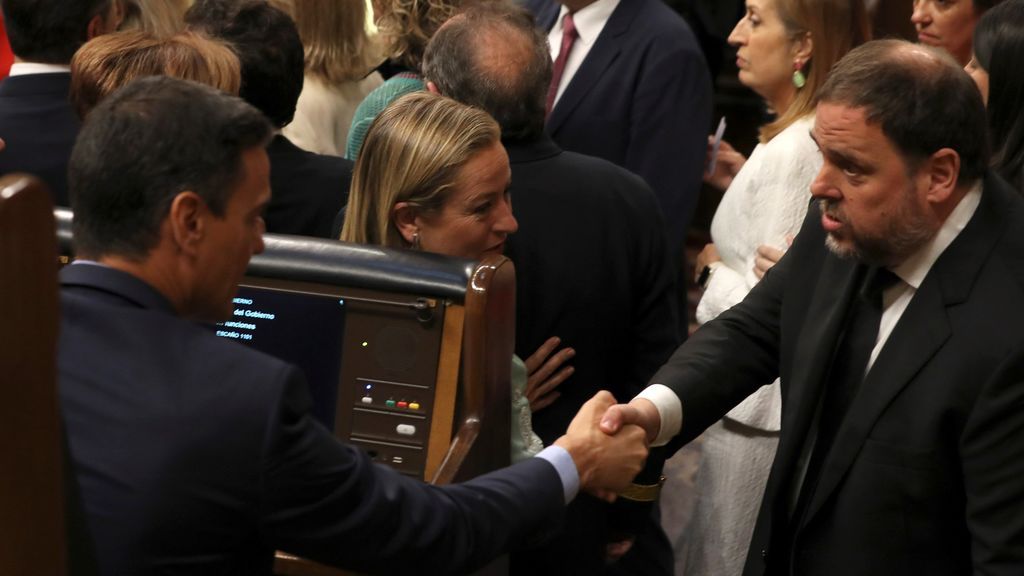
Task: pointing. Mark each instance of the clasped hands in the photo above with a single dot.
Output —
(608, 443)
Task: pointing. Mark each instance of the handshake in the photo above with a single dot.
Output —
(608, 443)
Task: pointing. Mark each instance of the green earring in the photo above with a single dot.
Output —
(799, 80)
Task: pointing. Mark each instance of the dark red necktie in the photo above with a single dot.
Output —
(569, 36)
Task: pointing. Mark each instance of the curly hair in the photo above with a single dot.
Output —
(408, 25)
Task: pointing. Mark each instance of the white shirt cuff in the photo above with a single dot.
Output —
(670, 409)
(559, 458)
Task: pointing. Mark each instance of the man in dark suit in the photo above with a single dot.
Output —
(902, 442)
(591, 258)
(634, 90)
(309, 189)
(196, 455)
(35, 115)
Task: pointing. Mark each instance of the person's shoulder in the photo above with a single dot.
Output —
(662, 25)
(598, 179)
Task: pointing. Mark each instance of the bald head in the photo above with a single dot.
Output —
(493, 57)
(922, 100)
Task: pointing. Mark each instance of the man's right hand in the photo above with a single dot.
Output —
(606, 463)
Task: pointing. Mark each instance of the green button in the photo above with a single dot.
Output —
(390, 403)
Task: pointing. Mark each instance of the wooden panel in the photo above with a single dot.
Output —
(31, 492)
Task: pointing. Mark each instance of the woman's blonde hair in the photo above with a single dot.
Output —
(412, 153)
(408, 25)
(110, 61)
(162, 18)
(835, 28)
(333, 33)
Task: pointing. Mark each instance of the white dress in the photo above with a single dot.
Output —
(324, 113)
(765, 203)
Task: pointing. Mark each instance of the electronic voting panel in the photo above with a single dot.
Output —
(367, 326)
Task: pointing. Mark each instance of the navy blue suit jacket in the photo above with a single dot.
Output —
(39, 127)
(196, 455)
(641, 99)
(307, 189)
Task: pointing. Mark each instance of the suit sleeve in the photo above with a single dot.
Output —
(730, 357)
(669, 125)
(327, 501)
(992, 452)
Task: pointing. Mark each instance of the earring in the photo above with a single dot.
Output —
(799, 80)
(416, 240)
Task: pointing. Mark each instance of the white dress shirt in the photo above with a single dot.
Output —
(25, 68)
(589, 21)
(895, 300)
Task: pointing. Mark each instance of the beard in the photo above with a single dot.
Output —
(905, 231)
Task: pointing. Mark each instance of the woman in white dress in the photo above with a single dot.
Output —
(785, 50)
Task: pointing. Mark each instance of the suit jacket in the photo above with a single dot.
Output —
(923, 476)
(39, 127)
(591, 268)
(641, 99)
(307, 189)
(197, 455)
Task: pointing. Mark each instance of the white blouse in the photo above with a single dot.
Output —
(765, 203)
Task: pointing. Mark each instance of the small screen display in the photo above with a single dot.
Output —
(301, 328)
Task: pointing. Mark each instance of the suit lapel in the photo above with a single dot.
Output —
(605, 50)
(920, 333)
(813, 354)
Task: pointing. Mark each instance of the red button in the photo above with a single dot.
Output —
(403, 404)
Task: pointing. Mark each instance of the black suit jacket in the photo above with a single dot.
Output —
(924, 475)
(592, 268)
(641, 99)
(39, 127)
(307, 189)
(196, 455)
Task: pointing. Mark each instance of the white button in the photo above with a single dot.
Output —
(367, 400)
(406, 429)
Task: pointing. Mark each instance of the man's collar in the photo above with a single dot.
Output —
(914, 269)
(539, 148)
(589, 20)
(98, 276)
(26, 68)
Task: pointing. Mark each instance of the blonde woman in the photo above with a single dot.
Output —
(162, 18)
(785, 49)
(108, 62)
(434, 176)
(340, 62)
(406, 27)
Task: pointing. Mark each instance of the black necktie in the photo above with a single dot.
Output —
(849, 366)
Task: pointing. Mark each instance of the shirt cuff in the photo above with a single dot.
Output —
(670, 409)
(559, 458)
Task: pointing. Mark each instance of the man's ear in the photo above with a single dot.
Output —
(432, 88)
(101, 24)
(404, 217)
(188, 218)
(943, 171)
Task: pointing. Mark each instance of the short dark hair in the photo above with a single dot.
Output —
(922, 100)
(142, 146)
(514, 94)
(998, 42)
(981, 6)
(49, 31)
(268, 46)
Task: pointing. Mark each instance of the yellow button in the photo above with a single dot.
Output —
(414, 406)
